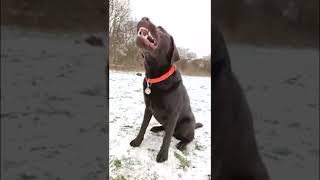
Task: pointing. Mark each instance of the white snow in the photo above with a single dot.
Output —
(126, 108)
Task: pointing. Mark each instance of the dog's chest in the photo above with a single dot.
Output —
(159, 109)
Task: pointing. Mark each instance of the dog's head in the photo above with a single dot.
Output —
(156, 43)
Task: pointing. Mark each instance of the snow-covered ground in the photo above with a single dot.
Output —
(47, 131)
(125, 118)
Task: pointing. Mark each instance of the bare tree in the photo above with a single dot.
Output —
(119, 16)
(186, 54)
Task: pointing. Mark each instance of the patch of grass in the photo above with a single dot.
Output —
(154, 177)
(125, 161)
(184, 163)
(199, 147)
(119, 177)
(117, 163)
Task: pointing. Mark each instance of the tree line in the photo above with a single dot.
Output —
(292, 21)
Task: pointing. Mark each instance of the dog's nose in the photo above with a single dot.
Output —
(145, 19)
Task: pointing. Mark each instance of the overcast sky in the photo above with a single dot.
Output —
(188, 21)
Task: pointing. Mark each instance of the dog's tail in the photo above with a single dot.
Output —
(198, 125)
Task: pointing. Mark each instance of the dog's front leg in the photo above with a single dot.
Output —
(169, 129)
(146, 119)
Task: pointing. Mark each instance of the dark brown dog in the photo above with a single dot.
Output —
(168, 100)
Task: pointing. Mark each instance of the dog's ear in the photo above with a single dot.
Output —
(174, 52)
(162, 29)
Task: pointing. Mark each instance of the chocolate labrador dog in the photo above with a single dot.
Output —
(165, 96)
(235, 152)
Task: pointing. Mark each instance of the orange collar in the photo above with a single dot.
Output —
(163, 77)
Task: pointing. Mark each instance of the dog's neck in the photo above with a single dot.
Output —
(162, 77)
(155, 71)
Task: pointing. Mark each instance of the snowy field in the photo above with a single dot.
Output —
(126, 114)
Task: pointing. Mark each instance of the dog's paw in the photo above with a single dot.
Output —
(181, 146)
(136, 142)
(157, 129)
(162, 156)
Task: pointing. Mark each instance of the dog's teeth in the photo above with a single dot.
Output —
(150, 35)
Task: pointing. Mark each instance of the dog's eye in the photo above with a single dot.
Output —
(142, 55)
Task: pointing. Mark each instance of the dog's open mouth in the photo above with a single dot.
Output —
(145, 39)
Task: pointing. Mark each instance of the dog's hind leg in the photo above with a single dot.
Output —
(157, 128)
(182, 144)
(185, 132)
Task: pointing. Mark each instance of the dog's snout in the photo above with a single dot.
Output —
(145, 19)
